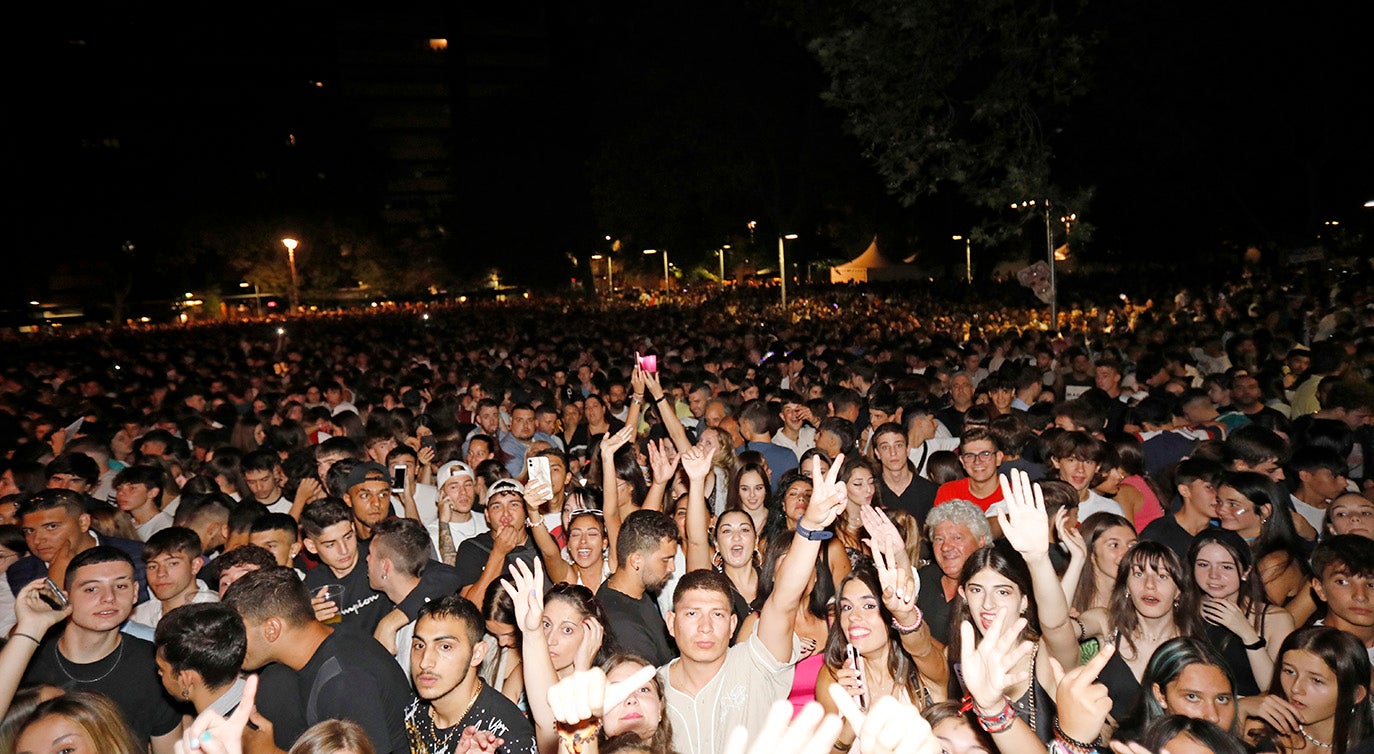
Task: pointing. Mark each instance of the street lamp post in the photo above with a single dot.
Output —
(257, 297)
(782, 263)
(291, 244)
(721, 252)
(666, 285)
(968, 256)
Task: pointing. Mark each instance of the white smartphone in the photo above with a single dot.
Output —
(398, 483)
(858, 670)
(539, 469)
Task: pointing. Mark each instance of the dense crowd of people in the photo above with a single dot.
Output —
(866, 522)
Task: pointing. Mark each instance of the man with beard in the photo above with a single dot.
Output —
(452, 703)
(645, 555)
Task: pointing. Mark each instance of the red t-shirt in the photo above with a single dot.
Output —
(959, 490)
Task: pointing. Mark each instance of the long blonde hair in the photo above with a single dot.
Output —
(97, 716)
(333, 737)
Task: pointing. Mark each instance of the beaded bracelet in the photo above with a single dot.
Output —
(913, 628)
(995, 723)
(1074, 746)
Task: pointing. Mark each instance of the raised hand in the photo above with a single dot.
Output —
(214, 734)
(1024, 522)
(883, 534)
(697, 463)
(537, 492)
(1083, 703)
(1070, 535)
(612, 443)
(586, 694)
(828, 496)
(663, 458)
(990, 666)
(896, 580)
(652, 384)
(592, 635)
(810, 732)
(526, 590)
(34, 616)
(889, 727)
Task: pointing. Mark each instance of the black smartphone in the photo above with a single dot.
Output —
(52, 595)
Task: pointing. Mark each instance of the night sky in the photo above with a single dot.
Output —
(1205, 128)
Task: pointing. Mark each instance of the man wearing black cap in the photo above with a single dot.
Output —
(486, 557)
(368, 493)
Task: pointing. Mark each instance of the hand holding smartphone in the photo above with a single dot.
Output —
(398, 484)
(857, 664)
(539, 471)
(52, 595)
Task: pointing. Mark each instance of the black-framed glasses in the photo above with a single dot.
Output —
(981, 455)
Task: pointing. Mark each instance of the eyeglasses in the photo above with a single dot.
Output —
(981, 455)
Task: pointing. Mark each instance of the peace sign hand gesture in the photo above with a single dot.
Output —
(828, 496)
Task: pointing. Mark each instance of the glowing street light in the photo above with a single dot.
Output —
(1369, 204)
(291, 244)
(721, 253)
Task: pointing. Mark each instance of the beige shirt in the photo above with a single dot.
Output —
(742, 693)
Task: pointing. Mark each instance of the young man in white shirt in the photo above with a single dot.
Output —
(713, 687)
(138, 492)
(173, 560)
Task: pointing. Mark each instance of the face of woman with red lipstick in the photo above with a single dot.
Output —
(989, 593)
(1309, 685)
(1152, 590)
(861, 618)
(736, 538)
(641, 711)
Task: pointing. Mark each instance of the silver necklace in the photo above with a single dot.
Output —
(57, 652)
(1312, 740)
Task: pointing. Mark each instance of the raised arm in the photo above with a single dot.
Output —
(663, 459)
(989, 670)
(776, 619)
(667, 412)
(526, 590)
(895, 576)
(1078, 554)
(610, 500)
(33, 618)
(697, 462)
(536, 494)
(448, 551)
(1027, 528)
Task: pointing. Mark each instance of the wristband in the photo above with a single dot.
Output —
(843, 746)
(1260, 643)
(27, 636)
(913, 628)
(996, 723)
(1082, 629)
(661, 398)
(1077, 747)
(814, 536)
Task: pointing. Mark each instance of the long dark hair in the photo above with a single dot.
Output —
(1149, 555)
(1208, 735)
(1251, 599)
(899, 663)
(581, 599)
(777, 522)
(818, 601)
(1277, 530)
(1000, 557)
(1093, 529)
(1349, 661)
(1166, 665)
(732, 499)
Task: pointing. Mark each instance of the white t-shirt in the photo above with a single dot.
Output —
(1096, 504)
(742, 693)
(152, 526)
(150, 612)
(1312, 513)
(461, 532)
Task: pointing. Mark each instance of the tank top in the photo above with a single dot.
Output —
(1229, 646)
(1122, 685)
(1150, 509)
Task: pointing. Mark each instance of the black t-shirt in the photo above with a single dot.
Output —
(917, 499)
(353, 678)
(490, 712)
(128, 676)
(471, 558)
(1166, 531)
(931, 601)
(279, 700)
(638, 625)
(362, 607)
(438, 580)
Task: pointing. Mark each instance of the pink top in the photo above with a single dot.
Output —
(804, 681)
(1150, 509)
